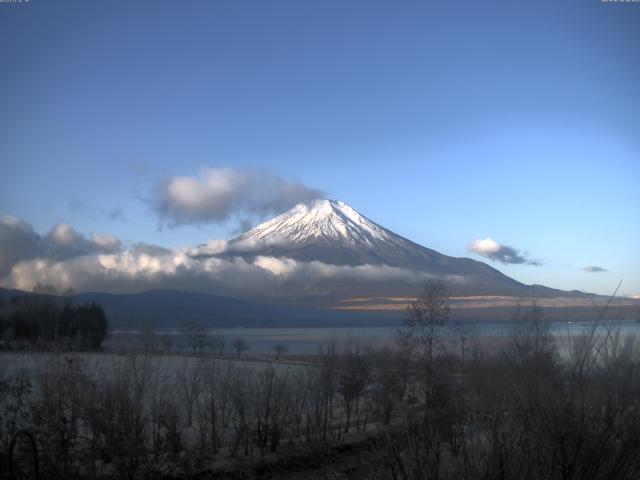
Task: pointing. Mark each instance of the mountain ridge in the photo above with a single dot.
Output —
(170, 308)
(332, 232)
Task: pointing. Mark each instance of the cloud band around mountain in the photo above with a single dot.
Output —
(219, 194)
(66, 259)
(489, 248)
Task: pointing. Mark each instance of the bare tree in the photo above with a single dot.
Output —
(167, 342)
(422, 335)
(214, 404)
(461, 332)
(218, 343)
(195, 336)
(327, 385)
(272, 404)
(353, 378)
(150, 339)
(389, 383)
(191, 384)
(280, 349)
(532, 347)
(15, 392)
(242, 394)
(426, 315)
(240, 346)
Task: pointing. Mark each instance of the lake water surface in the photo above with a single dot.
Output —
(307, 340)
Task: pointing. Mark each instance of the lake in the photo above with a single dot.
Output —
(307, 340)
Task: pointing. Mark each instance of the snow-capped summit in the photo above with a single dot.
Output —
(320, 219)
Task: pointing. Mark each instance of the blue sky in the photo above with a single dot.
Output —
(443, 121)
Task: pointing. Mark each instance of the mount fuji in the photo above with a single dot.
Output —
(333, 233)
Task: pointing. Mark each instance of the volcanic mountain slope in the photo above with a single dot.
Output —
(332, 232)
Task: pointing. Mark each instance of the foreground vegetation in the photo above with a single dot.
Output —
(432, 408)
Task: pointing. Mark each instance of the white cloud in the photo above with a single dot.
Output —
(484, 246)
(19, 242)
(489, 248)
(106, 242)
(66, 259)
(63, 235)
(212, 247)
(266, 278)
(594, 269)
(64, 242)
(218, 194)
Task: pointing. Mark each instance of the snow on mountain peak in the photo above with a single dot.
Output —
(319, 208)
(320, 219)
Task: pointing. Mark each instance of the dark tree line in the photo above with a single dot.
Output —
(41, 321)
